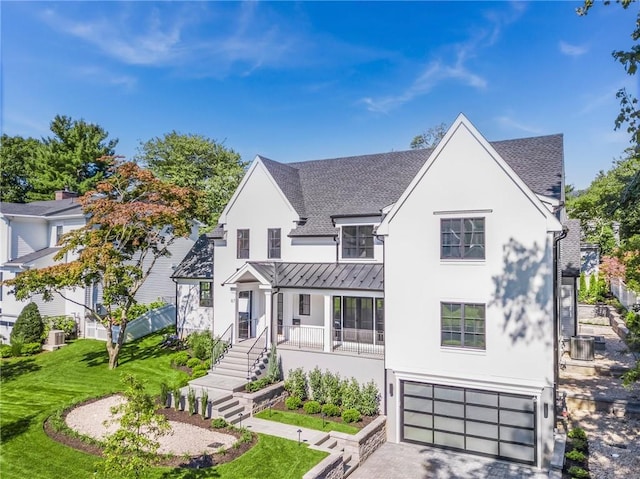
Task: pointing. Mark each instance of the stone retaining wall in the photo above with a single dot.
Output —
(260, 400)
(360, 446)
(331, 467)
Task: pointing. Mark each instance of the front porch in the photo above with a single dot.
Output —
(348, 340)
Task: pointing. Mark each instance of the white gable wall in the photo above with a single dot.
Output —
(28, 235)
(190, 315)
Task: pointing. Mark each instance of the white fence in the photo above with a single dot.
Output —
(627, 297)
(146, 324)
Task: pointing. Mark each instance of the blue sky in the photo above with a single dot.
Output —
(298, 80)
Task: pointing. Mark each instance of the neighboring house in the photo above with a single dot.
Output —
(194, 288)
(430, 272)
(29, 235)
(589, 258)
(570, 265)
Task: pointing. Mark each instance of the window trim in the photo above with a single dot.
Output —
(243, 244)
(271, 249)
(304, 305)
(462, 247)
(358, 237)
(205, 300)
(462, 330)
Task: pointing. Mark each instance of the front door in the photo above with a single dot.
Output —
(246, 325)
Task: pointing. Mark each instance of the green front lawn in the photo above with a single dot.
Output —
(31, 389)
(303, 420)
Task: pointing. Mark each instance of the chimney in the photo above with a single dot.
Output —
(64, 194)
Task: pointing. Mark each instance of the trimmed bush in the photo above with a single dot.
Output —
(331, 385)
(312, 407)
(315, 383)
(180, 359)
(192, 401)
(218, 423)
(273, 366)
(350, 394)
(31, 348)
(369, 399)
(193, 363)
(580, 444)
(578, 473)
(331, 410)
(575, 455)
(29, 326)
(198, 372)
(296, 384)
(16, 346)
(257, 385)
(5, 351)
(201, 344)
(577, 433)
(293, 402)
(164, 394)
(351, 415)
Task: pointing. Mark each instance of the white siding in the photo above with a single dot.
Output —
(190, 316)
(28, 236)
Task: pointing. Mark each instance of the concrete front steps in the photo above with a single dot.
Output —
(333, 445)
(234, 363)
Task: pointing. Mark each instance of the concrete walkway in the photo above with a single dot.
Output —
(272, 428)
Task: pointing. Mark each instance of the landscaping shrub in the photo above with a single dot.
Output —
(582, 291)
(29, 326)
(31, 348)
(198, 372)
(5, 351)
(164, 394)
(193, 363)
(296, 384)
(180, 359)
(331, 410)
(369, 399)
(577, 433)
(204, 402)
(206, 364)
(315, 383)
(201, 344)
(331, 385)
(175, 393)
(191, 401)
(312, 407)
(293, 402)
(576, 455)
(256, 385)
(273, 366)
(578, 472)
(64, 323)
(351, 415)
(16, 346)
(350, 394)
(580, 444)
(218, 423)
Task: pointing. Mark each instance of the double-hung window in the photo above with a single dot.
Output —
(274, 242)
(304, 307)
(462, 238)
(357, 241)
(462, 325)
(206, 298)
(243, 244)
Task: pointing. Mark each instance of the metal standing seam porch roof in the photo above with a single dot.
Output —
(354, 276)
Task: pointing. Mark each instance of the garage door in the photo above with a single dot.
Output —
(471, 420)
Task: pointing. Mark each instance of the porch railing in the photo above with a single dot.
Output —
(361, 341)
(257, 349)
(302, 337)
(221, 345)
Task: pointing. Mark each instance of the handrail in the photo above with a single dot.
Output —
(226, 344)
(264, 349)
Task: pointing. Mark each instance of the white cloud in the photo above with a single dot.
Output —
(511, 123)
(572, 50)
(106, 77)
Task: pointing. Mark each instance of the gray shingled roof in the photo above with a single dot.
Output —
(356, 276)
(360, 185)
(42, 208)
(570, 250)
(198, 263)
(28, 258)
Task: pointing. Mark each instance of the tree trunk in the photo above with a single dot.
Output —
(114, 349)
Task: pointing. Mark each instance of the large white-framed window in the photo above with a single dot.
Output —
(462, 238)
(462, 325)
(357, 241)
(274, 243)
(243, 244)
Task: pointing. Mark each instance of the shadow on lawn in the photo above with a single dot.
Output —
(13, 429)
(130, 352)
(182, 473)
(13, 369)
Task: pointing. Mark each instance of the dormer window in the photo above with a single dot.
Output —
(357, 241)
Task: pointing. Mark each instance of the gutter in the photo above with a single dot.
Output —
(556, 314)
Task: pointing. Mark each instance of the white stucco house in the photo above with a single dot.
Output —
(433, 272)
(29, 235)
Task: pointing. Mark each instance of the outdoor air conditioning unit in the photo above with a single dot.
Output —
(55, 340)
(583, 348)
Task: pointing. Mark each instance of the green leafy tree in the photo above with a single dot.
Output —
(430, 137)
(197, 162)
(75, 157)
(17, 160)
(29, 326)
(132, 449)
(133, 219)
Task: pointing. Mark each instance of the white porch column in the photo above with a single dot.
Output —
(268, 293)
(328, 320)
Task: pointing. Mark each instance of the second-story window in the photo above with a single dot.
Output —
(273, 243)
(462, 238)
(243, 244)
(357, 241)
(58, 233)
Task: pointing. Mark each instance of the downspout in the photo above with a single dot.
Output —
(556, 315)
(384, 357)
(176, 283)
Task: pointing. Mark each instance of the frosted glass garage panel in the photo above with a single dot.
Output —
(448, 424)
(417, 419)
(448, 409)
(483, 446)
(447, 439)
(513, 434)
(418, 404)
(481, 398)
(517, 452)
(520, 419)
(440, 392)
(482, 414)
(482, 429)
(415, 389)
(519, 403)
(417, 434)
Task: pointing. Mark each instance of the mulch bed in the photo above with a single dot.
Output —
(365, 421)
(195, 462)
(568, 463)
